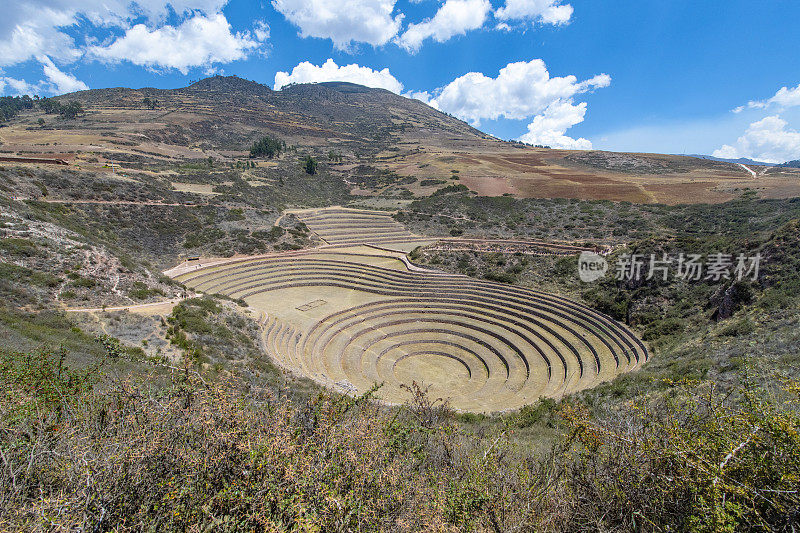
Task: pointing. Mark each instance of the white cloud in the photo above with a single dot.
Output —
(549, 128)
(37, 30)
(61, 82)
(785, 97)
(15, 87)
(343, 21)
(57, 82)
(35, 36)
(767, 140)
(455, 17)
(198, 41)
(305, 72)
(261, 30)
(422, 96)
(545, 11)
(519, 91)
(35, 27)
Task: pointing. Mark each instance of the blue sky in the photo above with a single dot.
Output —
(675, 77)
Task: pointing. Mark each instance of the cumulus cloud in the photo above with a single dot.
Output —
(40, 30)
(550, 127)
(455, 17)
(306, 72)
(36, 27)
(15, 87)
(56, 82)
(785, 97)
(422, 96)
(61, 82)
(343, 21)
(519, 91)
(35, 36)
(767, 140)
(544, 11)
(198, 41)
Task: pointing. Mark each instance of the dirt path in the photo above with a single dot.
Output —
(116, 202)
(153, 307)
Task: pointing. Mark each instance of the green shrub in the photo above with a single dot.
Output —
(738, 328)
(663, 327)
(501, 276)
(19, 247)
(140, 291)
(83, 282)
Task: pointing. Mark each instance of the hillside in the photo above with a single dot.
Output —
(193, 337)
(228, 113)
(385, 145)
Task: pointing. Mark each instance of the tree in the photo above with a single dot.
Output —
(267, 146)
(40, 122)
(11, 105)
(310, 165)
(71, 110)
(49, 106)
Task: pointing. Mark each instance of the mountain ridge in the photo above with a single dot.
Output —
(379, 143)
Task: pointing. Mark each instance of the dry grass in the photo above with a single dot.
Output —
(202, 456)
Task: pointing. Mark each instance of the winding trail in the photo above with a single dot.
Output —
(132, 308)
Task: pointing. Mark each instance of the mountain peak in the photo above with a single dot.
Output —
(228, 83)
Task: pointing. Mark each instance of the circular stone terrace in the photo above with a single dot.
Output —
(354, 313)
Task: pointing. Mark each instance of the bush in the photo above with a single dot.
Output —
(660, 328)
(501, 276)
(140, 291)
(19, 247)
(738, 328)
(201, 455)
(693, 461)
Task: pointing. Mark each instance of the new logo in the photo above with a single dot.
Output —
(591, 266)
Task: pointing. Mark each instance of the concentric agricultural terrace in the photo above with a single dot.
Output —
(351, 315)
(338, 226)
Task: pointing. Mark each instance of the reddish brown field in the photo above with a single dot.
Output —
(494, 169)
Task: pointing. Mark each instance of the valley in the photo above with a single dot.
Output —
(389, 303)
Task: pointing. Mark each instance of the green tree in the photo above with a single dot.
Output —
(40, 122)
(267, 146)
(310, 165)
(49, 106)
(71, 110)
